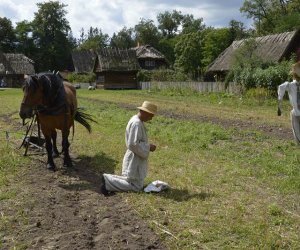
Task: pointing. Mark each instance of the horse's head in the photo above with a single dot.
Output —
(43, 92)
(33, 96)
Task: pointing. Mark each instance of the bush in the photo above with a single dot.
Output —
(272, 76)
(268, 77)
(259, 94)
(79, 78)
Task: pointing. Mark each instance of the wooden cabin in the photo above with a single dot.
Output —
(116, 69)
(271, 48)
(150, 58)
(13, 68)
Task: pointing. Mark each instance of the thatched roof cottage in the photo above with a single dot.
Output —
(150, 58)
(116, 69)
(13, 67)
(271, 48)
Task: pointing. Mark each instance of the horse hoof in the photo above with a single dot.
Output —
(51, 167)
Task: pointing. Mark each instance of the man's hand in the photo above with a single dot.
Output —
(279, 111)
(152, 147)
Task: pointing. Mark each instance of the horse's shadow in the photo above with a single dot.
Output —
(88, 172)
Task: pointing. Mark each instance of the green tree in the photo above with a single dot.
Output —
(123, 39)
(189, 53)
(147, 33)
(7, 35)
(272, 16)
(289, 19)
(261, 12)
(169, 22)
(237, 30)
(190, 24)
(95, 39)
(25, 42)
(214, 42)
(167, 47)
(51, 32)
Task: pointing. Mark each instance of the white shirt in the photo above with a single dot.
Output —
(291, 88)
(135, 161)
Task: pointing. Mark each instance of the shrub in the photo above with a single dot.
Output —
(272, 76)
(79, 78)
(260, 94)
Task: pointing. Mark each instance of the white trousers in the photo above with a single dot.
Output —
(295, 120)
(119, 183)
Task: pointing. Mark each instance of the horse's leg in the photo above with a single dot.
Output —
(65, 146)
(55, 152)
(50, 162)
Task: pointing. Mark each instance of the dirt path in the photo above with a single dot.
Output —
(67, 211)
(272, 131)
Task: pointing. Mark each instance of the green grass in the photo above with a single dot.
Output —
(230, 189)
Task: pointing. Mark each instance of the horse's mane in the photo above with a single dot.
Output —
(53, 90)
(51, 85)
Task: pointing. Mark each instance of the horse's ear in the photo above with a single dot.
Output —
(34, 78)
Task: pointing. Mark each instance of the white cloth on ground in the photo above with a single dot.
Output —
(156, 186)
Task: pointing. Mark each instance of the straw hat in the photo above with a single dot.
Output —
(295, 72)
(148, 107)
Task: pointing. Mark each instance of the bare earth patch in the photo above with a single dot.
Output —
(67, 211)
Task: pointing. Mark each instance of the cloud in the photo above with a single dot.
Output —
(112, 15)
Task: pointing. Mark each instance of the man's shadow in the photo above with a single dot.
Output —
(184, 194)
(89, 171)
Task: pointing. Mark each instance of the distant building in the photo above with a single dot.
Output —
(271, 48)
(116, 69)
(150, 58)
(13, 67)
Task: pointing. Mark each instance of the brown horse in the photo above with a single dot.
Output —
(55, 103)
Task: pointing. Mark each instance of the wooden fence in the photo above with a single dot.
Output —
(197, 86)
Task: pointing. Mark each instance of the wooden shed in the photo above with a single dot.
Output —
(271, 48)
(13, 67)
(116, 69)
(150, 58)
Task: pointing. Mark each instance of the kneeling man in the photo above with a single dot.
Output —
(135, 161)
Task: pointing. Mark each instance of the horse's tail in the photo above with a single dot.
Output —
(84, 119)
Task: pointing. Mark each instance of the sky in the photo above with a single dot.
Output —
(112, 15)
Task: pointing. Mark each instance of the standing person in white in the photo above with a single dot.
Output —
(135, 161)
(293, 89)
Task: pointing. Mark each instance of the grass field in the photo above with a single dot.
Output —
(230, 188)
